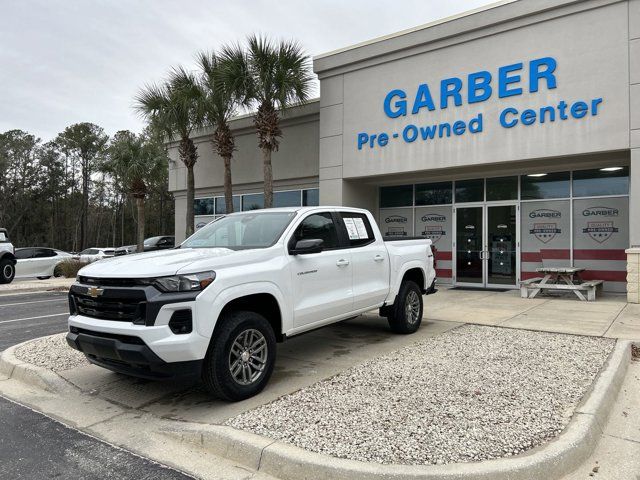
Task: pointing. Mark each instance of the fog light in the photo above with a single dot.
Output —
(181, 322)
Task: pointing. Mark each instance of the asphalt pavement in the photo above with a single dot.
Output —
(24, 316)
(33, 446)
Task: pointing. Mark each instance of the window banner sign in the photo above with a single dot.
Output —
(545, 236)
(435, 224)
(396, 222)
(600, 236)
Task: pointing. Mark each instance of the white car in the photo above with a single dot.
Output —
(90, 255)
(7, 258)
(39, 262)
(215, 307)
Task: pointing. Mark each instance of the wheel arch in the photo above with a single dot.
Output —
(10, 256)
(264, 304)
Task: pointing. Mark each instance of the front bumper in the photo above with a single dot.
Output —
(129, 355)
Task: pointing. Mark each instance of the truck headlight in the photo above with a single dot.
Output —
(190, 282)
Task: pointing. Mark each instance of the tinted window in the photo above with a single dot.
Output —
(203, 206)
(470, 190)
(286, 199)
(502, 188)
(253, 201)
(597, 182)
(23, 253)
(311, 197)
(547, 185)
(318, 225)
(400, 196)
(44, 253)
(221, 206)
(89, 251)
(359, 231)
(434, 193)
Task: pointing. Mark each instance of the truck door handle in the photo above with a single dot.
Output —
(378, 258)
(342, 262)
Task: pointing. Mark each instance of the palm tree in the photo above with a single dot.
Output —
(175, 108)
(273, 76)
(137, 161)
(220, 105)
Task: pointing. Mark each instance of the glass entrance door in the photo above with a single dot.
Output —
(486, 246)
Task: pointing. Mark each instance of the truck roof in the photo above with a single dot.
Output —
(303, 209)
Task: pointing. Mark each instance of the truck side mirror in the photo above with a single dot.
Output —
(303, 247)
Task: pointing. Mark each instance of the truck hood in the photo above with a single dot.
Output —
(164, 262)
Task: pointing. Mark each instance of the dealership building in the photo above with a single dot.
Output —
(508, 135)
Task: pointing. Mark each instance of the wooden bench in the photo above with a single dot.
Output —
(531, 287)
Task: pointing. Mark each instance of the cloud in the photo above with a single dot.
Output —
(68, 61)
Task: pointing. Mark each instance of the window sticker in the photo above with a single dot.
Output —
(352, 230)
(362, 230)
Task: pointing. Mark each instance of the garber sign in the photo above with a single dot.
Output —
(510, 80)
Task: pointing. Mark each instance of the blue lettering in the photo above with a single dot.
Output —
(428, 132)
(535, 73)
(444, 127)
(410, 133)
(528, 117)
(579, 109)
(363, 139)
(503, 118)
(479, 81)
(399, 107)
(594, 106)
(446, 92)
(504, 80)
(475, 125)
(423, 99)
(551, 111)
(383, 139)
(459, 127)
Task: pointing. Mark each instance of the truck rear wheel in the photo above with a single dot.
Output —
(405, 315)
(7, 271)
(241, 356)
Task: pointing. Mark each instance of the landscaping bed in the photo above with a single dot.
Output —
(51, 352)
(471, 394)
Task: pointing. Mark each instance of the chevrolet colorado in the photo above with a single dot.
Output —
(215, 306)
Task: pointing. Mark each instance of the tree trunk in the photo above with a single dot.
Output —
(85, 206)
(140, 235)
(228, 192)
(190, 199)
(268, 178)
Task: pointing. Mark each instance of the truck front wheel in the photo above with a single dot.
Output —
(405, 315)
(7, 271)
(241, 356)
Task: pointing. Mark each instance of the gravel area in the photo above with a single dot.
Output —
(51, 352)
(470, 394)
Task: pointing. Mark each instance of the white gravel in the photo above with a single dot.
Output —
(51, 352)
(471, 394)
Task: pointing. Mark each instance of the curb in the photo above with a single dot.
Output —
(552, 460)
(39, 377)
(48, 288)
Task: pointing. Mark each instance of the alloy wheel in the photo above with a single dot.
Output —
(248, 356)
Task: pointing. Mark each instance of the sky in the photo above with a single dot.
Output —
(69, 61)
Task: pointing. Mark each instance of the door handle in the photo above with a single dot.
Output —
(378, 258)
(342, 262)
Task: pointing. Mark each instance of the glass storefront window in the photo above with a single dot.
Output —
(470, 190)
(252, 201)
(203, 206)
(397, 196)
(601, 181)
(502, 188)
(545, 185)
(434, 193)
(286, 199)
(311, 197)
(221, 207)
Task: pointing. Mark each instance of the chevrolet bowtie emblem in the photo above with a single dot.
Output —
(95, 292)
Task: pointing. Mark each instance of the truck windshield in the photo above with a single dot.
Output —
(241, 231)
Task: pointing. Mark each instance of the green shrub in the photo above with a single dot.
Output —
(69, 268)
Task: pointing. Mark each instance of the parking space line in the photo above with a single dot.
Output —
(65, 314)
(61, 299)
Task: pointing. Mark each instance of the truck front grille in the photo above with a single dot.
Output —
(119, 309)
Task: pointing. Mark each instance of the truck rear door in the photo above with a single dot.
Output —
(369, 258)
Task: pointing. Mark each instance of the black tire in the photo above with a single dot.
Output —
(7, 270)
(43, 278)
(405, 315)
(217, 374)
(57, 272)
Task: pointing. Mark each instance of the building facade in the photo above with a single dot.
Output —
(509, 135)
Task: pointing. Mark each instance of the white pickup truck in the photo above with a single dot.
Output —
(215, 306)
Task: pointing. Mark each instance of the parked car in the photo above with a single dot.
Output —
(215, 307)
(159, 243)
(7, 258)
(125, 250)
(39, 262)
(93, 254)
